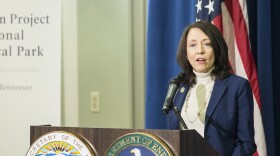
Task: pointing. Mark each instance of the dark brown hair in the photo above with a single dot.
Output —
(221, 65)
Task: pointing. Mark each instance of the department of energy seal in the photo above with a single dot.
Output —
(61, 143)
(139, 144)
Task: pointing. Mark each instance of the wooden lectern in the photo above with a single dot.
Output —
(181, 142)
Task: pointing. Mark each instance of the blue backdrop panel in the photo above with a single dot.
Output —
(166, 22)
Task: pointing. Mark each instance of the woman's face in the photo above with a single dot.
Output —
(200, 52)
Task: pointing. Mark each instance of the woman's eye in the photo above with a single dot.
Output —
(207, 44)
(192, 45)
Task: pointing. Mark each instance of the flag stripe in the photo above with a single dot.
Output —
(217, 21)
(242, 41)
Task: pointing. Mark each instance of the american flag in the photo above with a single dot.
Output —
(231, 17)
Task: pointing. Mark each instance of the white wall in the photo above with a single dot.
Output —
(108, 56)
(70, 63)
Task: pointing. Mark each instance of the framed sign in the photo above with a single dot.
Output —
(30, 69)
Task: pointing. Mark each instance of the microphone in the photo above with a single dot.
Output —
(174, 84)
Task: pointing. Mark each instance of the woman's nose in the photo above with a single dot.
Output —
(200, 50)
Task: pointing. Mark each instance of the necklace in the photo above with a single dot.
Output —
(199, 111)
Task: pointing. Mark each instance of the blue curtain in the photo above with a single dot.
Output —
(264, 36)
(275, 106)
(166, 22)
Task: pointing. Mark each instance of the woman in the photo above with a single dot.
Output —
(214, 102)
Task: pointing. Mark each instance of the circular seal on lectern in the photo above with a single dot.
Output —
(139, 144)
(61, 143)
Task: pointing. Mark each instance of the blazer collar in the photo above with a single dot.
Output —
(217, 93)
(181, 95)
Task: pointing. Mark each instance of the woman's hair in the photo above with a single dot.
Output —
(221, 65)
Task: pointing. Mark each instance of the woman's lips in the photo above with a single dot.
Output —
(200, 60)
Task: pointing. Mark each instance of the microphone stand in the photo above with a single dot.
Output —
(177, 112)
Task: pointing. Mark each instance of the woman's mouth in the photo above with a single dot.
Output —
(200, 60)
